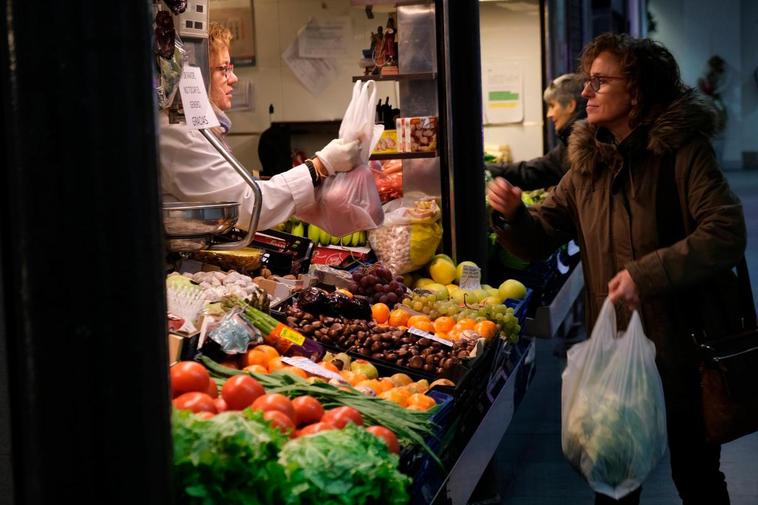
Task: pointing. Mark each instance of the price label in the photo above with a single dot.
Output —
(311, 367)
(425, 334)
(197, 109)
(471, 277)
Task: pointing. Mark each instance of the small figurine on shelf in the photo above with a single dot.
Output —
(389, 46)
(377, 46)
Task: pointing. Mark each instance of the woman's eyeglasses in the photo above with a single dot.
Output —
(227, 70)
(598, 80)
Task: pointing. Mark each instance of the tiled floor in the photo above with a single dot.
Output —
(529, 467)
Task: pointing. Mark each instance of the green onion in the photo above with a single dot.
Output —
(409, 425)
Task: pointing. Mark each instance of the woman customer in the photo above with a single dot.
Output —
(565, 106)
(193, 171)
(644, 128)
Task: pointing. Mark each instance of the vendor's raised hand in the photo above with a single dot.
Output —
(504, 197)
(340, 156)
(623, 288)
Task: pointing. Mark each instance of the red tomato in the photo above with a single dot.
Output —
(187, 376)
(241, 391)
(314, 428)
(387, 436)
(307, 410)
(205, 414)
(275, 401)
(196, 402)
(340, 416)
(221, 405)
(212, 389)
(280, 421)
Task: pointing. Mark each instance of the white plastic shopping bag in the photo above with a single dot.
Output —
(613, 418)
(349, 201)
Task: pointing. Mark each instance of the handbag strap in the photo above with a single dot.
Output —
(674, 226)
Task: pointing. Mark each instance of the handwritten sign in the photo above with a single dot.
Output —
(471, 277)
(425, 334)
(197, 109)
(312, 368)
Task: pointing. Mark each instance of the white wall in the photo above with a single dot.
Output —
(515, 35)
(694, 30)
(276, 25)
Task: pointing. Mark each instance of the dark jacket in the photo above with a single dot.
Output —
(608, 203)
(542, 172)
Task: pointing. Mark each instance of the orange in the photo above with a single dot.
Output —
(442, 335)
(269, 351)
(295, 371)
(421, 401)
(423, 325)
(380, 312)
(275, 364)
(384, 384)
(466, 324)
(486, 328)
(454, 334)
(401, 379)
(353, 378)
(256, 369)
(329, 366)
(444, 324)
(256, 357)
(397, 395)
(399, 317)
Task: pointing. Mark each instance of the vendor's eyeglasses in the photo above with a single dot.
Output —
(227, 70)
(598, 80)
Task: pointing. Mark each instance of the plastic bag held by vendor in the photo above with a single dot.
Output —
(348, 202)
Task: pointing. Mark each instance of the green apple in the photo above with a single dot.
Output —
(439, 291)
(423, 282)
(442, 271)
(512, 288)
(458, 296)
(364, 367)
(459, 269)
(452, 288)
(491, 300)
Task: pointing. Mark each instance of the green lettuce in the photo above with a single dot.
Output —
(228, 459)
(342, 467)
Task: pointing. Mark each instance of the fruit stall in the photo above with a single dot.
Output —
(331, 363)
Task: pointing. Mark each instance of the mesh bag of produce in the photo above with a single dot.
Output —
(410, 234)
(613, 419)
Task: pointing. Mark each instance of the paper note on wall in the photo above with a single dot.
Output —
(313, 73)
(502, 87)
(324, 38)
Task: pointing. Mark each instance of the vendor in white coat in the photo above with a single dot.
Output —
(193, 171)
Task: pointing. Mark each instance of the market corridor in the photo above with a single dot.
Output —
(529, 464)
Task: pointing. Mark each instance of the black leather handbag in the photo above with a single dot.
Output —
(729, 377)
(728, 352)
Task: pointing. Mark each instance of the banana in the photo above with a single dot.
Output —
(355, 239)
(324, 237)
(313, 233)
(346, 241)
(298, 230)
(334, 240)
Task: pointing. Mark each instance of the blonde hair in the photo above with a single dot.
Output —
(219, 37)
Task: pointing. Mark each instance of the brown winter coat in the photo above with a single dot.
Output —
(607, 202)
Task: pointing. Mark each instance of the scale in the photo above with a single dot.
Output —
(196, 226)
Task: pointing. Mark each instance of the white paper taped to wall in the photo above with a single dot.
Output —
(503, 94)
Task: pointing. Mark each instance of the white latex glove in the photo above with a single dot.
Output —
(340, 156)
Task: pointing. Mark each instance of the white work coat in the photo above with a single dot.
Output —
(193, 171)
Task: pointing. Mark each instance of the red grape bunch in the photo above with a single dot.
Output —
(377, 284)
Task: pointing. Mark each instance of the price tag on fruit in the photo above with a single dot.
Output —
(471, 277)
(311, 367)
(197, 109)
(425, 334)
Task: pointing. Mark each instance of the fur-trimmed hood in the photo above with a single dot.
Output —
(686, 118)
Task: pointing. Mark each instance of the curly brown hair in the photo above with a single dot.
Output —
(651, 72)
